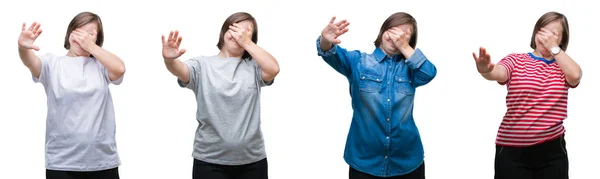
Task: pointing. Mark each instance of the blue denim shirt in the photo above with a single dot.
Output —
(383, 139)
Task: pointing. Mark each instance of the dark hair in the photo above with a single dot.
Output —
(82, 19)
(548, 18)
(235, 18)
(397, 19)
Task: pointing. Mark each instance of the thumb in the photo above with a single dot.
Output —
(182, 51)
(35, 47)
(475, 56)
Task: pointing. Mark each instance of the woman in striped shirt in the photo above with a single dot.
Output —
(530, 142)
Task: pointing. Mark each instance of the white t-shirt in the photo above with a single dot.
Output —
(80, 124)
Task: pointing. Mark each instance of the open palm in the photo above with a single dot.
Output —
(171, 46)
(29, 35)
(483, 61)
(333, 30)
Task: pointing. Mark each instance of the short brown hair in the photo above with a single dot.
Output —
(397, 19)
(82, 19)
(547, 19)
(235, 18)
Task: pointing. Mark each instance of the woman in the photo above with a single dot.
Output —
(228, 142)
(80, 124)
(530, 142)
(383, 141)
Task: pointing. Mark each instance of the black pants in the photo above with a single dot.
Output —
(547, 160)
(418, 173)
(256, 170)
(103, 174)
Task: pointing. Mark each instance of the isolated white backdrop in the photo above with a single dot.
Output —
(307, 112)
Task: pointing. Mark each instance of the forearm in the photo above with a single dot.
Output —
(31, 61)
(178, 69)
(114, 65)
(407, 51)
(498, 74)
(268, 63)
(569, 67)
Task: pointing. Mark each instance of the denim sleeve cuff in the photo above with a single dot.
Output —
(416, 60)
(329, 52)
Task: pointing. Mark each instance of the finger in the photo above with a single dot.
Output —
(475, 57)
(35, 47)
(176, 35)
(332, 20)
(75, 32)
(162, 37)
(170, 36)
(31, 26)
(336, 41)
(23, 27)
(485, 53)
(344, 25)
(235, 28)
(233, 34)
(340, 23)
(481, 51)
(343, 31)
(36, 27)
(38, 32)
(179, 41)
(182, 51)
(394, 32)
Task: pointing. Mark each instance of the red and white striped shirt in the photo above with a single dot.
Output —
(536, 101)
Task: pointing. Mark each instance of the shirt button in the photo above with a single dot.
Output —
(388, 82)
(388, 137)
(386, 156)
(388, 100)
(390, 67)
(377, 79)
(388, 119)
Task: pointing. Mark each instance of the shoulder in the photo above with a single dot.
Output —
(48, 57)
(517, 56)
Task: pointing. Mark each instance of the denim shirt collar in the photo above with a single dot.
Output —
(380, 55)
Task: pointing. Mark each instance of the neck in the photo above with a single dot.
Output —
(227, 54)
(539, 54)
(71, 53)
(390, 54)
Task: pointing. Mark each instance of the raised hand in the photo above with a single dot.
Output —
(29, 35)
(333, 30)
(243, 36)
(170, 48)
(399, 37)
(484, 64)
(548, 38)
(85, 39)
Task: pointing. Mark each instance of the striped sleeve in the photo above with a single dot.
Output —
(508, 63)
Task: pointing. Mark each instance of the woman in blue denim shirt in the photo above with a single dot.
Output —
(383, 141)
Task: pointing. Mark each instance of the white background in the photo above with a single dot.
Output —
(306, 113)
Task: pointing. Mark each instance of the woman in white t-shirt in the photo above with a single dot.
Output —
(80, 124)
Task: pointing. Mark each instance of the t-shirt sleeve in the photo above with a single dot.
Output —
(508, 63)
(259, 78)
(193, 66)
(105, 73)
(47, 61)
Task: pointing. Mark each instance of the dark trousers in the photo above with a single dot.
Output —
(103, 174)
(547, 160)
(256, 170)
(418, 173)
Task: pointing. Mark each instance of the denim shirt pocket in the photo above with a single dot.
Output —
(370, 83)
(403, 85)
